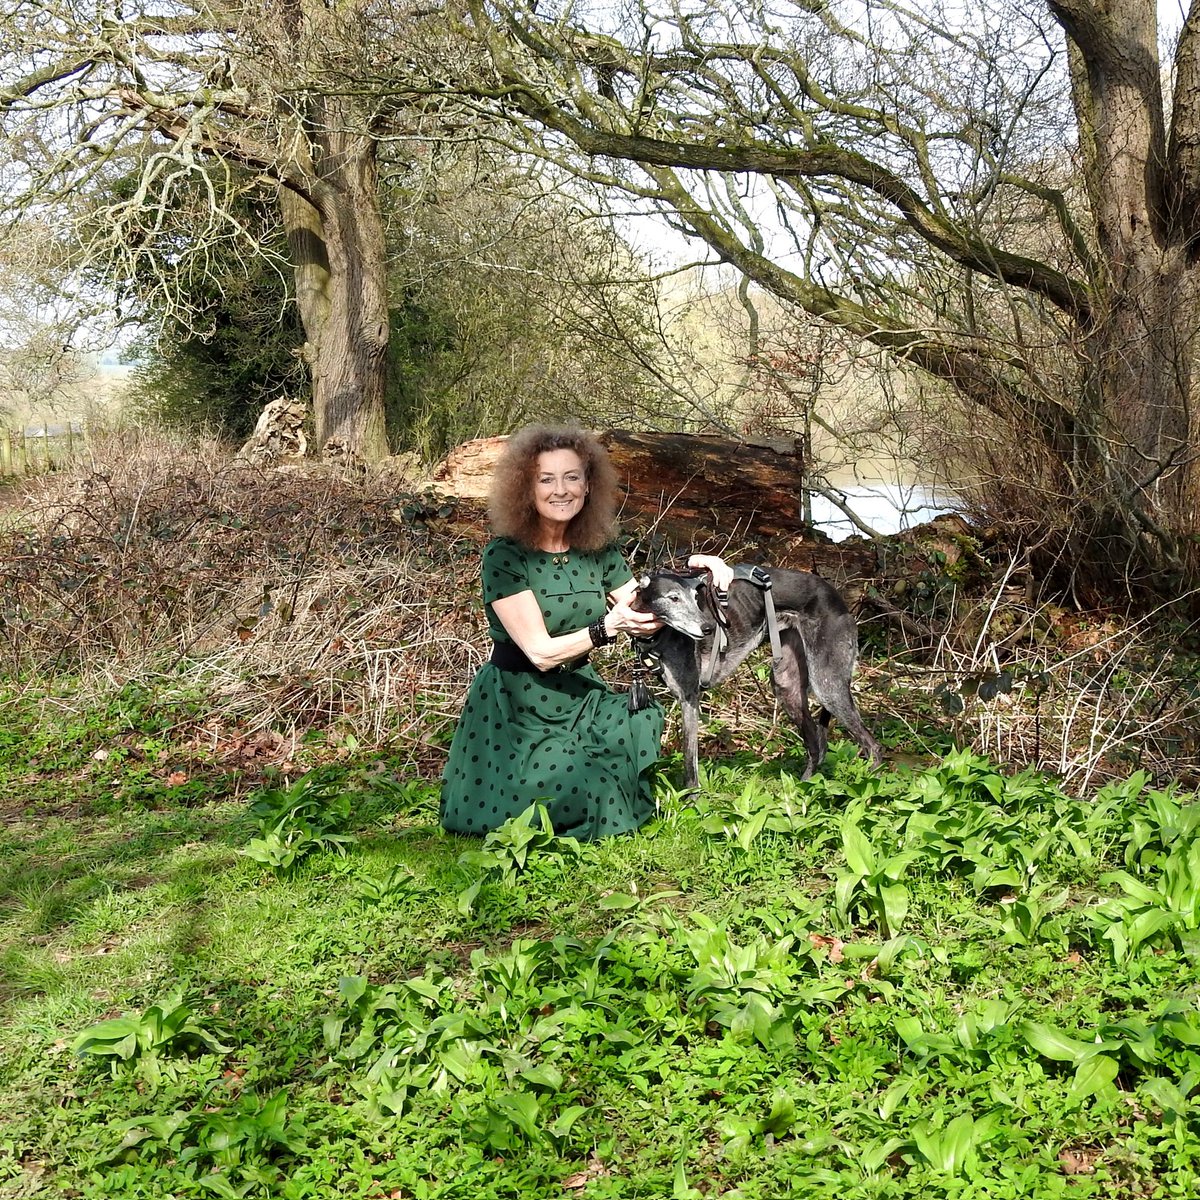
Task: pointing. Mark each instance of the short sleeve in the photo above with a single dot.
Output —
(505, 570)
(614, 569)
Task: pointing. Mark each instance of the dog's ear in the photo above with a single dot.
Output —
(643, 582)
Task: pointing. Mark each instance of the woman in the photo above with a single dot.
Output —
(539, 723)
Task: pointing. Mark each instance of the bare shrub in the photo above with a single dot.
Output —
(279, 604)
(1085, 696)
(292, 599)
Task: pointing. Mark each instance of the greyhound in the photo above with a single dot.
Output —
(702, 643)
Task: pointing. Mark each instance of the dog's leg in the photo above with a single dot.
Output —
(680, 659)
(690, 710)
(790, 680)
(831, 651)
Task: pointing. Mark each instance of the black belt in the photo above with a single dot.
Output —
(508, 656)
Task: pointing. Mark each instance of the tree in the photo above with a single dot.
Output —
(215, 365)
(507, 302)
(917, 187)
(515, 299)
(152, 140)
(42, 373)
(214, 98)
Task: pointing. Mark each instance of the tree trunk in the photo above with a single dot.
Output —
(684, 492)
(1138, 403)
(337, 243)
(687, 486)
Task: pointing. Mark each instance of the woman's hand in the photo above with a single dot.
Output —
(623, 619)
(718, 568)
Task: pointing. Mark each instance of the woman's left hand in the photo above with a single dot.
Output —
(718, 568)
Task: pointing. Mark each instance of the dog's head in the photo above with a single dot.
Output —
(680, 601)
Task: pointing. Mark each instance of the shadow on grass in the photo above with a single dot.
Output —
(74, 890)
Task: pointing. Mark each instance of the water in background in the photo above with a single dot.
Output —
(885, 507)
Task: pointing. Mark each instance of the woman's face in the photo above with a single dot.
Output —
(559, 486)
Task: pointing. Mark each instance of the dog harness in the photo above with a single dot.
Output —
(648, 659)
(761, 579)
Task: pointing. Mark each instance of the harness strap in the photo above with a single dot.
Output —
(772, 628)
(749, 573)
(719, 642)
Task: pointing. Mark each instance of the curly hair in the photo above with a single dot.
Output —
(511, 506)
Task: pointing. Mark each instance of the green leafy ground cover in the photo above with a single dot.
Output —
(947, 982)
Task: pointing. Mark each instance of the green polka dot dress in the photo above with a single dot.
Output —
(561, 736)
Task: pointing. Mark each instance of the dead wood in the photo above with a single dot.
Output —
(683, 492)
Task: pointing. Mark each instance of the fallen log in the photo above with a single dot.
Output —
(682, 492)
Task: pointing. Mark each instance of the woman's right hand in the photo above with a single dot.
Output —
(633, 621)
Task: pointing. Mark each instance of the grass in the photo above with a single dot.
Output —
(238, 956)
(888, 985)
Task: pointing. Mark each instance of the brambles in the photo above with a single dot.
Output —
(286, 606)
(297, 615)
